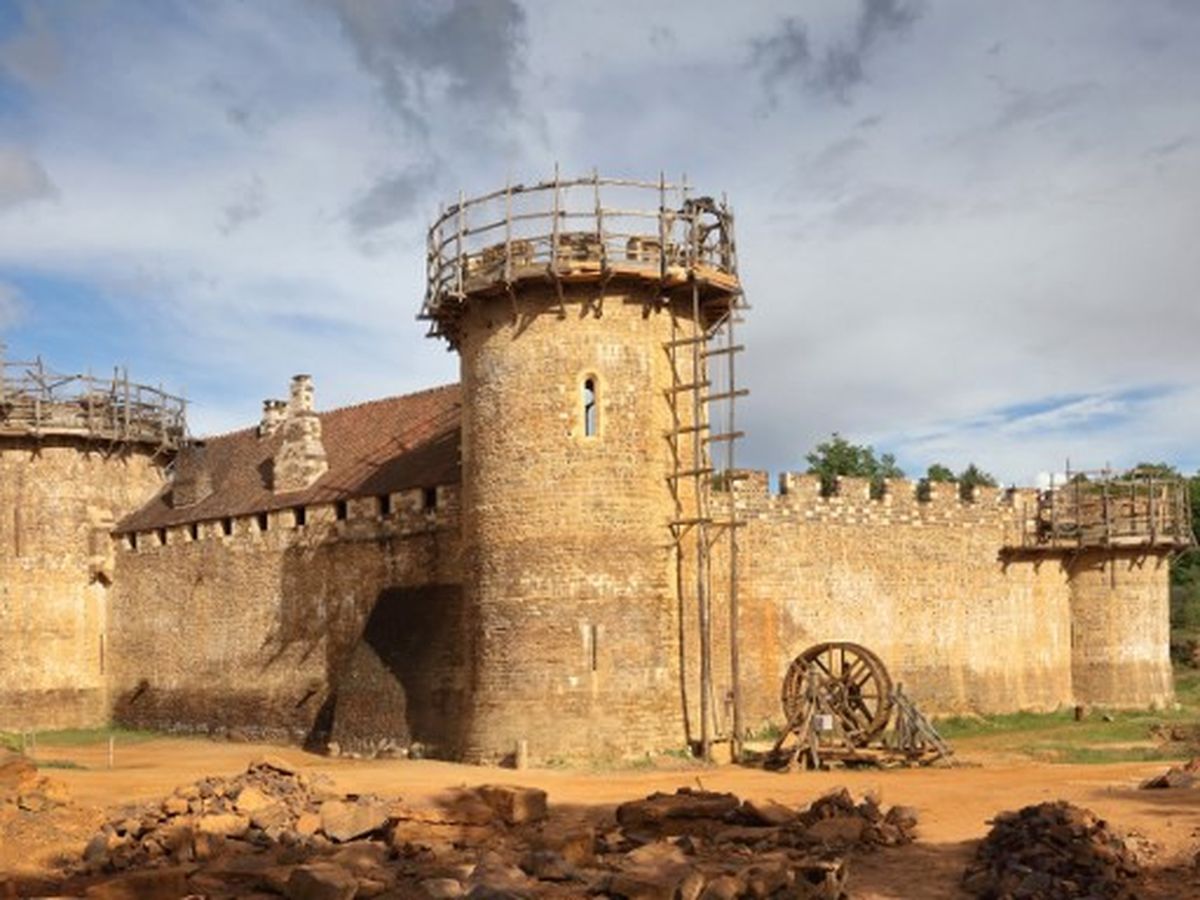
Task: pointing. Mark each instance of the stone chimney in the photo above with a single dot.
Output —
(300, 460)
(273, 415)
(193, 478)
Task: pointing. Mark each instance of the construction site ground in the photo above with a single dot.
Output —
(954, 803)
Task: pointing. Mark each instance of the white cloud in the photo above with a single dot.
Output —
(999, 210)
(22, 179)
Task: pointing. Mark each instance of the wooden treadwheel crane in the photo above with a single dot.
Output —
(839, 700)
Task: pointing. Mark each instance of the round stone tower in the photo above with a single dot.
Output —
(76, 454)
(566, 302)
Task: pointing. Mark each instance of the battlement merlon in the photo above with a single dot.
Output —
(571, 231)
(1098, 511)
(36, 402)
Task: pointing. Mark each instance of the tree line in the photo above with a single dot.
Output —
(838, 457)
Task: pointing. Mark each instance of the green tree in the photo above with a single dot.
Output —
(1185, 567)
(939, 474)
(972, 477)
(1153, 470)
(935, 474)
(838, 457)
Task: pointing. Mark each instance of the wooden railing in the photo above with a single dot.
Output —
(571, 227)
(38, 402)
(1103, 509)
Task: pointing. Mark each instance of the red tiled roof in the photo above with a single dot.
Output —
(373, 448)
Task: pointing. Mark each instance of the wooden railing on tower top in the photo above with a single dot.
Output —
(576, 229)
(1103, 509)
(38, 402)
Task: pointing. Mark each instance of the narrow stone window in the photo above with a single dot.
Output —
(194, 531)
(589, 407)
(429, 499)
(594, 647)
(300, 516)
(385, 505)
(341, 509)
(131, 540)
(262, 520)
(227, 526)
(162, 537)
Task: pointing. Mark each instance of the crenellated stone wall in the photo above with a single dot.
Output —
(59, 499)
(933, 584)
(391, 619)
(296, 624)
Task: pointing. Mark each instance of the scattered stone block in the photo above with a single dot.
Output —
(547, 865)
(576, 845)
(223, 824)
(345, 820)
(150, 884)
(443, 888)
(768, 812)
(250, 800)
(837, 831)
(321, 881)
(723, 887)
(513, 804)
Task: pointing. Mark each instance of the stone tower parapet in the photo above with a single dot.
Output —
(76, 454)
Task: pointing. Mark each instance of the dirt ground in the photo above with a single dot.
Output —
(954, 803)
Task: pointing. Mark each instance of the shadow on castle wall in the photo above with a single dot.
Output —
(402, 682)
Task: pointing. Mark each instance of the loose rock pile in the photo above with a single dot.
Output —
(272, 831)
(21, 786)
(1051, 851)
(1185, 776)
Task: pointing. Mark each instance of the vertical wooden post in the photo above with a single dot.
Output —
(702, 568)
(1151, 513)
(507, 233)
(460, 257)
(554, 227)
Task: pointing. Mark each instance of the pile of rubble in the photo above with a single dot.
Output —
(1185, 776)
(273, 832)
(22, 788)
(268, 804)
(835, 820)
(1052, 850)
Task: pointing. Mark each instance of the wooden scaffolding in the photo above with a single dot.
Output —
(703, 436)
(37, 402)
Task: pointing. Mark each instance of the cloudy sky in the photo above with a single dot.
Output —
(968, 230)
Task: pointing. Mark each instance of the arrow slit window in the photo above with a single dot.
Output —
(589, 407)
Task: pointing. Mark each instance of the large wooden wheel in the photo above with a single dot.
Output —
(844, 679)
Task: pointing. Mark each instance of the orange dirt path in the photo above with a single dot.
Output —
(954, 803)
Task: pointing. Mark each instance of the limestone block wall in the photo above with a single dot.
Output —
(1121, 629)
(922, 583)
(58, 500)
(300, 626)
(569, 580)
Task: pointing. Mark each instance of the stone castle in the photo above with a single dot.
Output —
(557, 552)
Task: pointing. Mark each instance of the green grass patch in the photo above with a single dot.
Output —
(768, 732)
(958, 727)
(1096, 727)
(77, 737)
(1187, 690)
(1100, 737)
(1074, 754)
